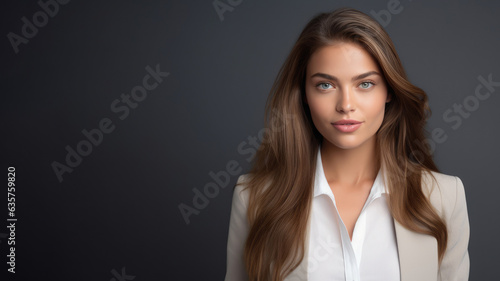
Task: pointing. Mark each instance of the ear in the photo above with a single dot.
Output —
(304, 98)
(389, 96)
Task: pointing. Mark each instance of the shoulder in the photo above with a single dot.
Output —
(241, 184)
(241, 192)
(238, 231)
(445, 192)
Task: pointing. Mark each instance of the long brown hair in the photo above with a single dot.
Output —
(282, 175)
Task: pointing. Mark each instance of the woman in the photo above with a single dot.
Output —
(342, 187)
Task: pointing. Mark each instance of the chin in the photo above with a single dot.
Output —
(345, 144)
(348, 142)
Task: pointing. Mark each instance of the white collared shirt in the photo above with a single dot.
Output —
(371, 255)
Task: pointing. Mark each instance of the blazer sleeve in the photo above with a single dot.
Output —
(455, 263)
(238, 232)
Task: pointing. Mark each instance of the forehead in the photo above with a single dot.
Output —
(341, 58)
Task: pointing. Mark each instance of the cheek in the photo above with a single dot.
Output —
(375, 109)
(316, 108)
(320, 109)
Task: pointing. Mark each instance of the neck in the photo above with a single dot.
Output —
(350, 166)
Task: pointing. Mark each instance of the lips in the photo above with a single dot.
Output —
(347, 122)
(347, 125)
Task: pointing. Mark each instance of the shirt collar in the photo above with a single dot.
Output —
(321, 185)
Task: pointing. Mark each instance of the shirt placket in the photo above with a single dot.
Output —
(351, 269)
(351, 262)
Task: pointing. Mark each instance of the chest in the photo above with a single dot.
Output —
(349, 203)
(372, 252)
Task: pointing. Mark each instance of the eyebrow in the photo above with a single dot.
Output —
(357, 77)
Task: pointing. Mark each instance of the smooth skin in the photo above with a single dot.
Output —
(344, 82)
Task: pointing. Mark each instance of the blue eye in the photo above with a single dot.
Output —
(366, 85)
(324, 86)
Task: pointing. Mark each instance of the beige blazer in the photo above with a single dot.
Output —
(418, 254)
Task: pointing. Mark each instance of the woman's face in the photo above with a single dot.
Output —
(346, 94)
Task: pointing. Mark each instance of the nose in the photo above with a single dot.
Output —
(346, 102)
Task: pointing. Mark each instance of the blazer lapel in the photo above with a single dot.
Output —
(418, 257)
